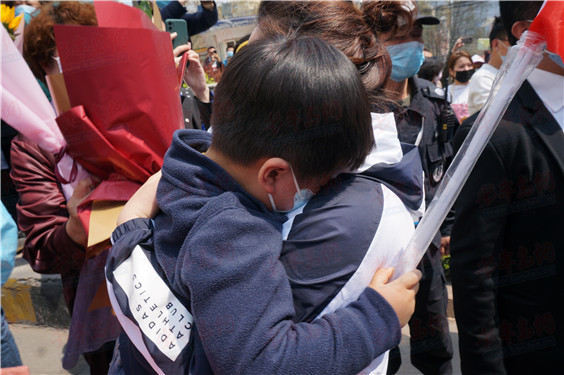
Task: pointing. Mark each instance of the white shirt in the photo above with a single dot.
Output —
(479, 88)
(459, 93)
(550, 89)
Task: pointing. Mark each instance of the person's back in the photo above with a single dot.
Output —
(217, 240)
(507, 271)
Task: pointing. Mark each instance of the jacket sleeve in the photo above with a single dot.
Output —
(205, 111)
(446, 226)
(243, 308)
(172, 10)
(42, 211)
(197, 22)
(474, 260)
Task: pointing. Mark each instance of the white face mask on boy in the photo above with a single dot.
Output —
(301, 197)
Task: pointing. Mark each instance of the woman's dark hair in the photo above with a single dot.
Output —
(338, 22)
(297, 98)
(39, 39)
(395, 17)
(454, 58)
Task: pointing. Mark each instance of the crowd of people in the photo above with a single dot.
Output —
(268, 240)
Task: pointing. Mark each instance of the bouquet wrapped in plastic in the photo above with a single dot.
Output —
(546, 33)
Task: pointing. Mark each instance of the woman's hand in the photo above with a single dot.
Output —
(143, 204)
(74, 227)
(194, 74)
(457, 45)
(195, 77)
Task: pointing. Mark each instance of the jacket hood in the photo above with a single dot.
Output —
(190, 181)
(395, 164)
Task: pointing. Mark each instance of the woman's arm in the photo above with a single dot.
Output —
(42, 212)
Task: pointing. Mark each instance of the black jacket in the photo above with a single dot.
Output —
(418, 124)
(197, 22)
(507, 246)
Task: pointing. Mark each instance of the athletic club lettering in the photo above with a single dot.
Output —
(158, 313)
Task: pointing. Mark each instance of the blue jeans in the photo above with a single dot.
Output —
(10, 353)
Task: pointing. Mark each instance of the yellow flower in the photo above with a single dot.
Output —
(4, 10)
(8, 20)
(7, 13)
(15, 22)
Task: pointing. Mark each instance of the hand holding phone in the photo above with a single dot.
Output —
(467, 40)
(179, 27)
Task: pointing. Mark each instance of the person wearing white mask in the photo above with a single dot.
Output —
(421, 110)
(481, 84)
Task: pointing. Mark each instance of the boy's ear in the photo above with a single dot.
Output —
(271, 172)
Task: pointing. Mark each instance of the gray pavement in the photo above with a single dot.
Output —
(41, 349)
(39, 321)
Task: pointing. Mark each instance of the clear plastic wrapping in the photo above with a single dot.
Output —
(519, 63)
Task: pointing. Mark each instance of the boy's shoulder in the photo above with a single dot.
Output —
(233, 209)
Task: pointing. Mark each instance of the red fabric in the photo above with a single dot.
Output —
(88, 145)
(126, 81)
(550, 23)
(123, 89)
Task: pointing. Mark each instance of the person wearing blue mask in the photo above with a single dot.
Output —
(230, 52)
(29, 9)
(420, 108)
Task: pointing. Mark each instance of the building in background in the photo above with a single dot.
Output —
(236, 20)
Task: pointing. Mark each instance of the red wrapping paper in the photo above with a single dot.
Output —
(125, 101)
(97, 154)
(126, 81)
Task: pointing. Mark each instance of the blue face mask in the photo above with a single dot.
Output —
(230, 53)
(301, 197)
(556, 58)
(407, 58)
(27, 10)
(506, 52)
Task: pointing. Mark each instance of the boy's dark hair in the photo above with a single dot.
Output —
(299, 99)
(431, 68)
(498, 30)
(514, 11)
